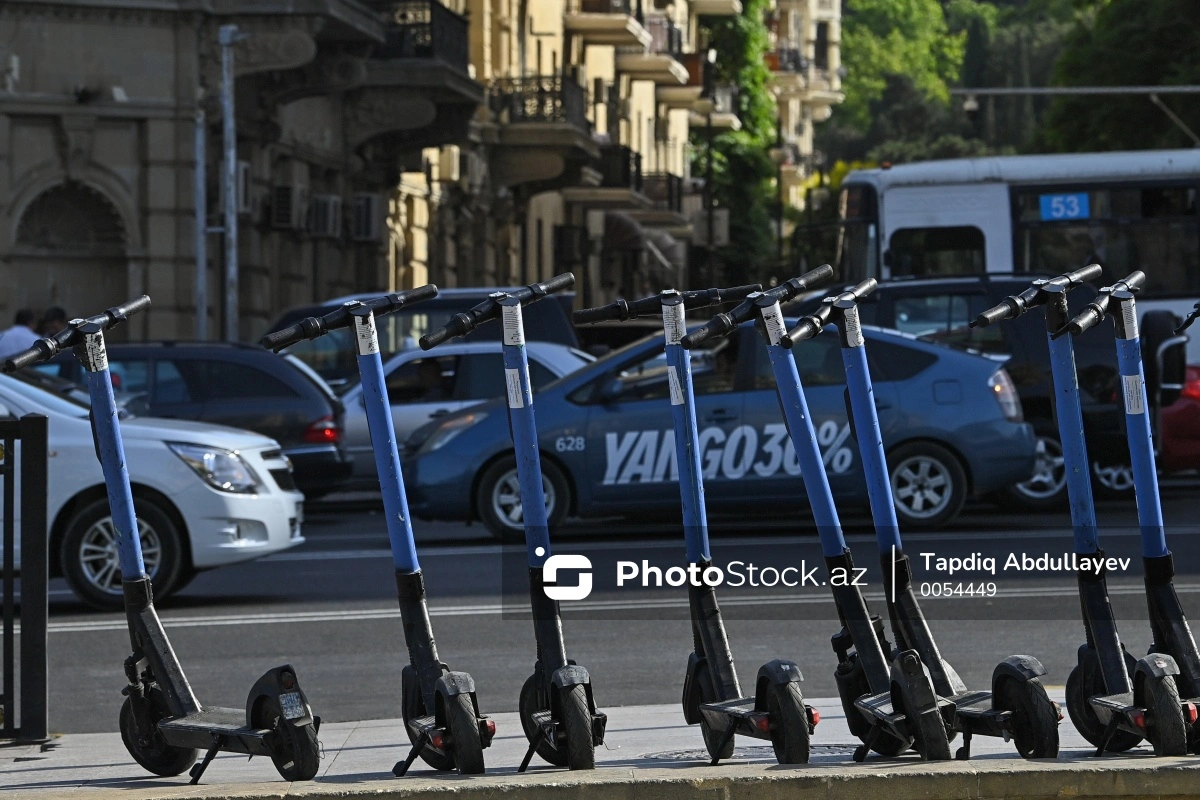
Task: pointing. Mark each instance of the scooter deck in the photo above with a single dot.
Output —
(741, 712)
(200, 731)
(973, 713)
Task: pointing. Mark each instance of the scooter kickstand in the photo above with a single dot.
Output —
(402, 766)
(1110, 730)
(964, 753)
(198, 769)
(726, 738)
(528, 755)
(860, 752)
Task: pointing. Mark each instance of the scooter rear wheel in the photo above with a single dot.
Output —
(577, 720)
(1085, 681)
(413, 706)
(1166, 728)
(789, 723)
(1034, 720)
(295, 753)
(928, 730)
(467, 748)
(151, 750)
(528, 705)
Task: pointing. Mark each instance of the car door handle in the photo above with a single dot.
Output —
(720, 415)
(441, 412)
(882, 405)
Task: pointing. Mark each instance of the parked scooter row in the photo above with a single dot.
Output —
(894, 698)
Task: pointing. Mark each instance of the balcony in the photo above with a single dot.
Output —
(665, 192)
(716, 8)
(621, 186)
(685, 95)
(723, 116)
(418, 91)
(540, 131)
(824, 91)
(617, 23)
(660, 62)
(789, 68)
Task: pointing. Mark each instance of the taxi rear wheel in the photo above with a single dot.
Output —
(498, 498)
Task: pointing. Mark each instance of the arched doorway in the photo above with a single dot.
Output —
(69, 251)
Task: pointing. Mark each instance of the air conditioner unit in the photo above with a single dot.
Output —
(368, 217)
(245, 205)
(325, 216)
(288, 209)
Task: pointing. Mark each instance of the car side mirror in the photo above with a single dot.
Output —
(610, 390)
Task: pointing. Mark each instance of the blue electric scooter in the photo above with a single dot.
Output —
(1017, 706)
(1168, 624)
(440, 709)
(1111, 697)
(889, 700)
(162, 723)
(557, 710)
(712, 695)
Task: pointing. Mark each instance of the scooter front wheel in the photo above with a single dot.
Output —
(148, 748)
(1165, 726)
(1083, 682)
(852, 684)
(464, 735)
(789, 723)
(528, 705)
(295, 751)
(577, 720)
(1034, 719)
(712, 739)
(928, 730)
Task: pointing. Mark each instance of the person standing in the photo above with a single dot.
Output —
(53, 321)
(20, 336)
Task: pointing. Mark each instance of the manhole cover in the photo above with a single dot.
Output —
(751, 753)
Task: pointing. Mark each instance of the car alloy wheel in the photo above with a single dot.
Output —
(99, 558)
(1115, 479)
(922, 486)
(506, 499)
(1049, 471)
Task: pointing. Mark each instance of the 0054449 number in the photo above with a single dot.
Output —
(947, 589)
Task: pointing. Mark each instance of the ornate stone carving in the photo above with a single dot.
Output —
(75, 134)
(328, 74)
(373, 112)
(266, 51)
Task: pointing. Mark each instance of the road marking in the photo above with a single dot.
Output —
(223, 620)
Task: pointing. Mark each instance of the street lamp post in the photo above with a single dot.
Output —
(228, 36)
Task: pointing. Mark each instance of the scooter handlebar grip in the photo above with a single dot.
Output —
(390, 303)
(718, 326)
(588, 316)
(280, 339)
(1134, 280)
(1188, 320)
(556, 284)
(459, 325)
(994, 314)
(1088, 318)
(739, 292)
(815, 278)
(865, 288)
(126, 310)
(1088, 273)
(41, 350)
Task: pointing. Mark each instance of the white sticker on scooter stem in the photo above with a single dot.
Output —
(674, 326)
(773, 321)
(1129, 320)
(514, 327)
(854, 337)
(95, 356)
(516, 398)
(1135, 394)
(676, 388)
(364, 335)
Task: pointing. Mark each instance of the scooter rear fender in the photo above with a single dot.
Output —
(270, 687)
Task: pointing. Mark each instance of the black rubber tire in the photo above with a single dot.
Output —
(789, 723)
(1084, 682)
(527, 705)
(413, 705)
(1012, 497)
(577, 722)
(296, 754)
(156, 757)
(952, 470)
(886, 744)
(930, 739)
(1167, 730)
(464, 735)
(1034, 719)
(164, 579)
(486, 485)
(708, 694)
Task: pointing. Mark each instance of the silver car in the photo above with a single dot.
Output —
(422, 386)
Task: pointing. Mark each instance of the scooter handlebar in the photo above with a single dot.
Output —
(316, 327)
(1094, 312)
(1188, 320)
(41, 350)
(997, 313)
(1088, 273)
(723, 324)
(464, 323)
(46, 348)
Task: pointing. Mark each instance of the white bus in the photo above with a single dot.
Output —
(1043, 214)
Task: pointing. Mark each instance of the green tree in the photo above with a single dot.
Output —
(1126, 43)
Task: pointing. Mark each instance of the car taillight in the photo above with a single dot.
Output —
(1191, 384)
(323, 431)
(1006, 395)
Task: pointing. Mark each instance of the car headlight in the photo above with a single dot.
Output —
(221, 469)
(447, 431)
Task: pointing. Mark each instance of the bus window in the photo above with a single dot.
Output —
(858, 235)
(937, 251)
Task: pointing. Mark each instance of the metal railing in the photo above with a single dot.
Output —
(541, 98)
(29, 705)
(786, 59)
(424, 29)
(630, 8)
(666, 37)
(665, 191)
(620, 167)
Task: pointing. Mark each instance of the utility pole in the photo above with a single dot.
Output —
(200, 199)
(228, 37)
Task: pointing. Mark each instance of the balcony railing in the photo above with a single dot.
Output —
(630, 8)
(786, 59)
(665, 191)
(423, 29)
(620, 168)
(665, 37)
(543, 98)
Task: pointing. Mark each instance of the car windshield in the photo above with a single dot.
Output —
(54, 403)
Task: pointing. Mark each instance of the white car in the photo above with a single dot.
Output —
(423, 386)
(206, 496)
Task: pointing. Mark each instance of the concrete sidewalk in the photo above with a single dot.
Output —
(649, 753)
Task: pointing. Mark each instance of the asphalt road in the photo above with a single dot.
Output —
(329, 609)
